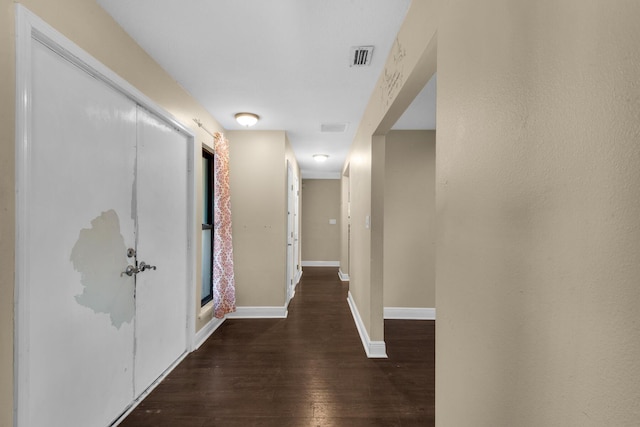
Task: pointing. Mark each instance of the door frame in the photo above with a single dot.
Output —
(32, 29)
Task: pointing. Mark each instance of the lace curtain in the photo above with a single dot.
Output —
(224, 294)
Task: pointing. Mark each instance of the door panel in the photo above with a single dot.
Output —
(80, 308)
(296, 227)
(162, 197)
(290, 234)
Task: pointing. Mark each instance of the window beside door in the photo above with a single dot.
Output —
(207, 227)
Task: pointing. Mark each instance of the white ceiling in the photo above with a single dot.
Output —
(285, 60)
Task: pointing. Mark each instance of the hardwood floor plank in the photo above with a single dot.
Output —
(307, 370)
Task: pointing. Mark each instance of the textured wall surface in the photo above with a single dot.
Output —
(258, 176)
(345, 223)
(538, 207)
(407, 70)
(7, 208)
(409, 219)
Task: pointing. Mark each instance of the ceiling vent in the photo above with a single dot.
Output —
(333, 127)
(361, 56)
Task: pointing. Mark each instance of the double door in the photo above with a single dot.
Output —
(107, 189)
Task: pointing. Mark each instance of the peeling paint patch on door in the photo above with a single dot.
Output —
(99, 256)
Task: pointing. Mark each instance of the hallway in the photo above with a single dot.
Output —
(307, 370)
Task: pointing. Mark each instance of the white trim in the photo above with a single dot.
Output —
(23, 184)
(261, 312)
(205, 332)
(343, 276)
(321, 263)
(192, 237)
(296, 280)
(205, 311)
(410, 313)
(374, 349)
(293, 295)
(30, 27)
(377, 350)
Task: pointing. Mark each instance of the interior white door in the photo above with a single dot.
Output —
(80, 308)
(290, 237)
(162, 223)
(102, 175)
(296, 227)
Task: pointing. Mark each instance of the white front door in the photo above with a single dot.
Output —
(161, 199)
(80, 308)
(98, 176)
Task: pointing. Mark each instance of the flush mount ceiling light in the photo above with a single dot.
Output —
(320, 157)
(247, 119)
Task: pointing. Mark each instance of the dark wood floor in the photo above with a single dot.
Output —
(307, 370)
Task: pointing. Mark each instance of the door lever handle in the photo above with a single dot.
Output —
(131, 269)
(144, 266)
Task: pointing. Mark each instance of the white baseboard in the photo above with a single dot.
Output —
(293, 295)
(240, 313)
(374, 349)
(343, 276)
(321, 263)
(206, 331)
(410, 313)
(298, 276)
(261, 312)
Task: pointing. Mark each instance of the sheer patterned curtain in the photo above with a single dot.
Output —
(224, 291)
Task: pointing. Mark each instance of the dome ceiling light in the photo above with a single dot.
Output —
(247, 119)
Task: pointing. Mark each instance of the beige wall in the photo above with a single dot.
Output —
(344, 223)
(407, 70)
(87, 25)
(538, 199)
(320, 203)
(409, 219)
(537, 207)
(376, 224)
(7, 209)
(259, 213)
